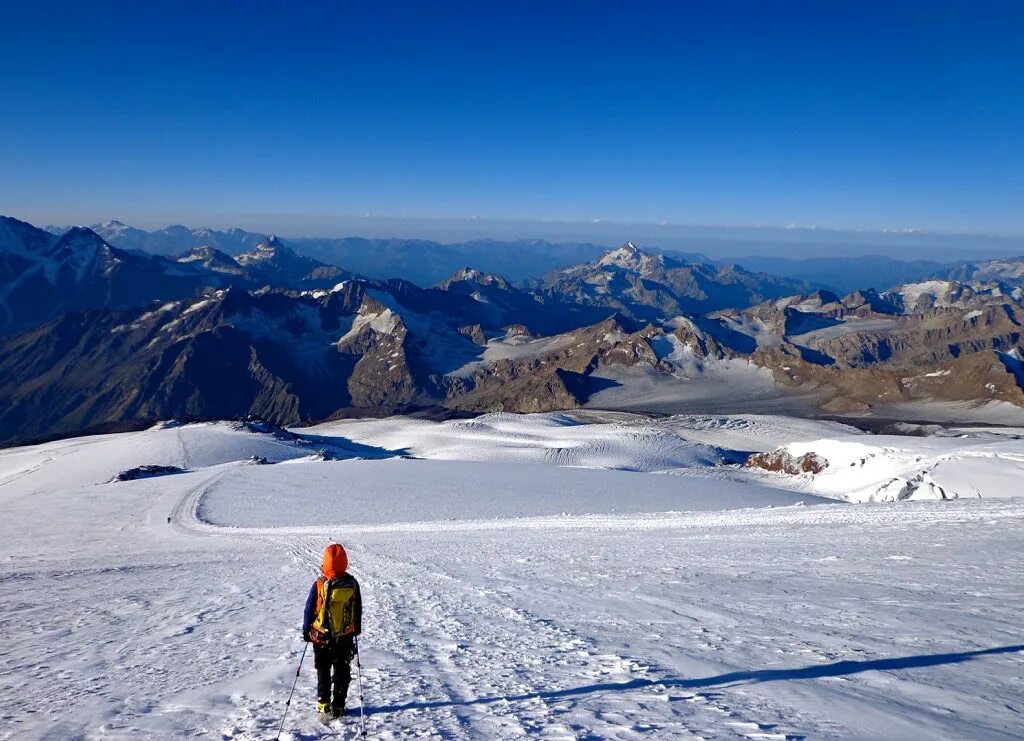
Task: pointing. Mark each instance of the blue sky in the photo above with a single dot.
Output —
(840, 114)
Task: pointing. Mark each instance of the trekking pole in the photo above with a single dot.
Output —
(289, 702)
(359, 680)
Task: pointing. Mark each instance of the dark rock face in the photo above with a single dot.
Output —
(104, 366)
(474, 332)
(288, 358)
(146, 472)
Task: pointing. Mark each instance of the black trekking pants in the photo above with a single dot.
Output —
(332, 661)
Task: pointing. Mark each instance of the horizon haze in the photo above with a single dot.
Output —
(794, 242)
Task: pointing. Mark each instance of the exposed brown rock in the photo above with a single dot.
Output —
(545, 392)
(783, 462)
(474, 332)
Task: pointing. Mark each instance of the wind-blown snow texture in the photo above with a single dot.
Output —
(506, 597)
(889, 467)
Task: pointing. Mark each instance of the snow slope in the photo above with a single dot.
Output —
(96, 459)
(509, 599)
(890, 468)
(624, 442)
(365, 493)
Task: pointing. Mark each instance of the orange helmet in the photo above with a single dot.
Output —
(335, 561)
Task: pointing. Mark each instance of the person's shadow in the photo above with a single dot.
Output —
(836, 669)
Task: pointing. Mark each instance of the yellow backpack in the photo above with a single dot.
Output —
(336, 614)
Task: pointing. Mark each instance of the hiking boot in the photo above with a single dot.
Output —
(338, 710)
(324, 708)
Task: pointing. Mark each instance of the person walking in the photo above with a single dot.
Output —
(332, 620)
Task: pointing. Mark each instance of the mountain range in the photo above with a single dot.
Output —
(100, 337)
(44, 275)
(421, 261)
(428, 262)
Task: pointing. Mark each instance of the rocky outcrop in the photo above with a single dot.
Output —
(781, 461)
(145, 472)
(509, 390)
(381, 374)
(475, 333)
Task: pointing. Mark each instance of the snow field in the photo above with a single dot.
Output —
(538, 605)
(713, 386)
(96, 459)
(629, 444)
(353, 494)
(888, 468)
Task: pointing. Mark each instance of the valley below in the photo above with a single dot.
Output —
(94, 337)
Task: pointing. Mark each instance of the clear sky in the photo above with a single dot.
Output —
(842, 114)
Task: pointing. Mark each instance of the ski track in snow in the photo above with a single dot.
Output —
(585, 625)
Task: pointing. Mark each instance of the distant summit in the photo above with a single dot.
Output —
(646, 286)
(270, 250)
(176, 239)
(475, 277)
(212, 259)
(274, 263)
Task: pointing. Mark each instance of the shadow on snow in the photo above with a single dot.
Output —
(836, 669)
(343, 447)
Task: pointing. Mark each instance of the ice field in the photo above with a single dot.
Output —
(524, 577)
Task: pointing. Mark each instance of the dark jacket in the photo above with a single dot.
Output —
(311, 603)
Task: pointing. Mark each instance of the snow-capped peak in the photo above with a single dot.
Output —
(79, 249)
(273, 244)
(929, 294)
(197, 253)
(264, 252)
(212, 259)
(628, 257)
(477, 277)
